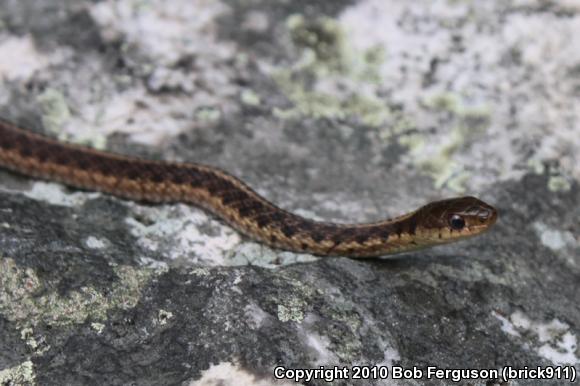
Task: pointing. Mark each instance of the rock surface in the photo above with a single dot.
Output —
(338, 110)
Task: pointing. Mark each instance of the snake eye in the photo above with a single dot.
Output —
(456, 222)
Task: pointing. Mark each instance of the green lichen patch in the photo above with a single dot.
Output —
(438, 158)
(26, 300)
(559, 184)
(35, 343)
(558, 180)
(330, 79)
(22, 374)
(207, 115)
(322, 37)
(292, 310)
(369, 110)
(328, 76)
(293, 303)
(250, 98)
(347, 342)
(56, 114)
(55, 109)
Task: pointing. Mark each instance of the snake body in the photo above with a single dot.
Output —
(235, 202)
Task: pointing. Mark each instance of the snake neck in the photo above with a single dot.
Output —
(296, 233)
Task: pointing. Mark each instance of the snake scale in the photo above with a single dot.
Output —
(236, 203)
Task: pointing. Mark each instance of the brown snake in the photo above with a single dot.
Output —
(237, 204)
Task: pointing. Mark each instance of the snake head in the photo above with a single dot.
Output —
(455, 218)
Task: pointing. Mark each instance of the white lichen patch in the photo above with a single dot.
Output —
(188, 234)
(200, 271)
(161, 31)
(98, 327)
(320, 346)
(553, 238)
(390, 357)
(287, 258)
(256, 21)
(553, 340)
(182, 232)
(333, 202)
(23, 374)
(163, 317)
(158, 35)
(252, 253)
(57, 194)
(317, 345)
(96, 243)
(506, 325)
(256, 315)
(561, 241)
(143, 118)
(19, 58)
(232, 374)
(462, 140)
(154, 264)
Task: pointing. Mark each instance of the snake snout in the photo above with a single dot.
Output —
(487, 215)
(484, 214)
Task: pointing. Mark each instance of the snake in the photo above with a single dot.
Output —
(229, 198)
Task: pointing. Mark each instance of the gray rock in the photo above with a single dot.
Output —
(344, 111)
